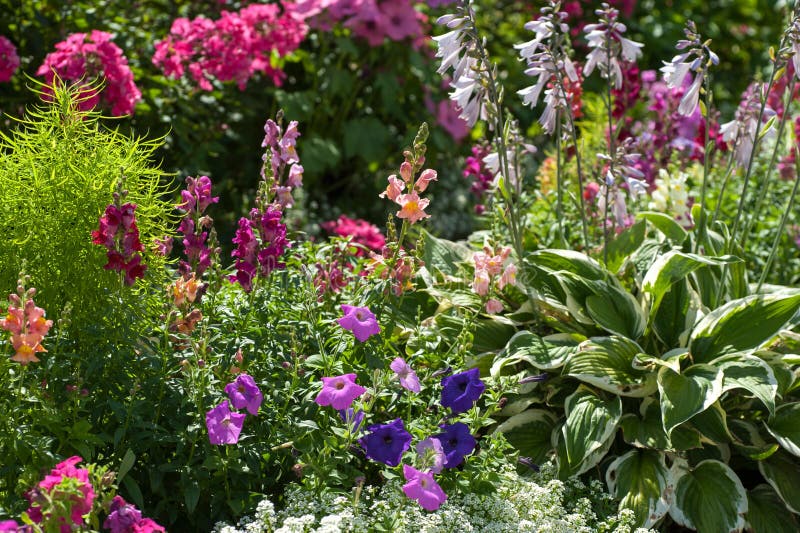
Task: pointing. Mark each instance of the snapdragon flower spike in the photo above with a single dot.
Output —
(259, 255)
(27, 326)
(457, 442)
(697, 58)
(224, 427)
(360, 320)
(386, 443)
(280, 155)
(244, 393)
(461, 391)
(608, 46)
(339, 391)
(119, 234)
(196, 199)
(412, 206)
(422, 487)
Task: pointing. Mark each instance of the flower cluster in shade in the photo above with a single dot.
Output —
(371, 20)
(412, 207)
(489, 271)
(119, 234)
(481, 176)
(360, 231)
(124, 517)
(9, 60)
(194, 225)
(27, 326)
(88, 58)
(224, 426)
(671, 196)
(78, 502)
(360, 320)
(232, 48)
(260, 242)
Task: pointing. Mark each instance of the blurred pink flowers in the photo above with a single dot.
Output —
(9, 60)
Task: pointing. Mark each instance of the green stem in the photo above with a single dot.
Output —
(706, 162)
(611, 148)
(721, 196)
(559, 184)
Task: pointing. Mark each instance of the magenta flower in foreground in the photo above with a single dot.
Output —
(223, 426)
(339, 391)
(408, 378)
(431, 454)
(423, 488)
(360, 320)
(244, 392)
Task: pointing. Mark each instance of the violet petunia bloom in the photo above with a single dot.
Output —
(339, 391)
(457, 442)
(461, 391)
(224, 426)
(408, 378)
(360, 320)
(431, 454)
(423, 488)
(244, 392)
(386, 442)
(122, 516)
(352, 418)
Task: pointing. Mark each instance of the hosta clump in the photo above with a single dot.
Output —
(59, 170)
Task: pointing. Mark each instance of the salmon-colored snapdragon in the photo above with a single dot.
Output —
(27, 326)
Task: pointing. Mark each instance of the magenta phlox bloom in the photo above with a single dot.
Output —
(360, 320)
(461, 391)
(386, 442)
(79, 506)
(408, 378)
(423, 488)
(224, 426)
(244, 393)
(339, 391)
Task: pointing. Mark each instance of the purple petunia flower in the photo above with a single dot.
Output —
(408, 378)
(386, 442)
(223, 426)
(244, 392)
(431, 454)
(122, 516)
(462, 390)
(422, 487)
(360, 320)
(457, 442)
(339, 391)
(352, 418)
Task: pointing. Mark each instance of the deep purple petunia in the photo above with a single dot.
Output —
(339, 391)
(352, 418)
(457, 442)
(422, 487)
(244, 392)
(386, 442)
(360, 320)
(223, 426)
(462, 390)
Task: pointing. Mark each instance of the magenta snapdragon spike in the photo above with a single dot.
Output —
(260, 242)
(196, 199)
(119, 234)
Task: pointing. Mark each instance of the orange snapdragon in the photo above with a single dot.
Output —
(412, 207)
(27, 326)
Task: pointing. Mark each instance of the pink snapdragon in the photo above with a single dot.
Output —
(86, 58)
(9, 60)
(412, 206)
(27, 326)
(119, 234)
(490, 270)
(260, 242)
(196, 198)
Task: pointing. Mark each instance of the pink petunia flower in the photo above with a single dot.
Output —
(224, 426)
(339, 391)
(360, 320)
(408, 378)
(423, 488)
(244, 392)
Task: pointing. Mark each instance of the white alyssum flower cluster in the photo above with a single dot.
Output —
(519, 505)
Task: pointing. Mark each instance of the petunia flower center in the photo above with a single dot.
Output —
(339, 385)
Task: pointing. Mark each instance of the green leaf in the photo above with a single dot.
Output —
(530, 433)
(675, 315)
(191, 495)
(671, 359)
(591, 424)
(767, 513)
(625, 244)
(785, 427)
(617, 311)
(125, 466)
(685, 395)
(134, 492)
(751, 374)
(709, 498)
(647, 431)
(365, 137)
(748, 440)
(730, 328)
(544, 353)
(782, 472)
(605, 362)
(640, 480)
(443, 255)
(665, 224)
(712, 424)
(569, 261)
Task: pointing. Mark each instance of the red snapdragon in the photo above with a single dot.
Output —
(120, 235)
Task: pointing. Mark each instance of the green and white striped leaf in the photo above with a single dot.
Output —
(640, 479)
(616, 311)
(685, 395)
(751, 374)
(749, 442)
(591, 423)
(671, 359)
(709, 498)
(742, 324)
(606, 363)
(647, 431)
(712, 424)
(530, 433)
(785, 427)
(544, 353)
(767, 513)
(782, 472)
(665, 224)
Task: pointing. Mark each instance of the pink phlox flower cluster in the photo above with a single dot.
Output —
(371, 20)
(124, 517)
(27, 326)
(359, 230)
(412, 207)
(260, 241)
(9, 60)
(232, 48)
(84, 58)
(280, 155)
(80, 505)
(196, 198)
(224, 426)
(490, 271)
(120, 235)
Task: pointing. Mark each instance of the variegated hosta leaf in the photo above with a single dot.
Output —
(685, 395)
(712, 424)
(785, 427)
(742, 324)
(590, 425)
(544, 353)
(709, 498)
(782, 472)
(616, 310)
(671, 359)
(640, 480)
(749, 442)
(767, 512)
(647, 431)
(751, 374)
(605, 362)
(529, 432)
